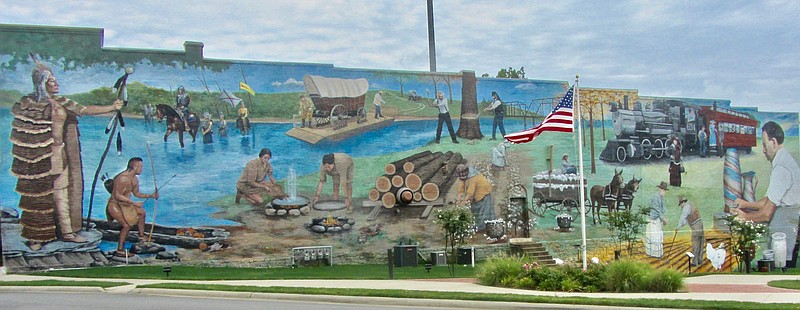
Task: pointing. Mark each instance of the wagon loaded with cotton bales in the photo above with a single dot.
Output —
(559, 192)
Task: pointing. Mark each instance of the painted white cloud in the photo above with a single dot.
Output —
(745, 51)
(288, 83)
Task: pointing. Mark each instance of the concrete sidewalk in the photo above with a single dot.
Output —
(744, 288)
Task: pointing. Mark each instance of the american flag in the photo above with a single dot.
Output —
(559, 120)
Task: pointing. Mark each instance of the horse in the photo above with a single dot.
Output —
(629, 192)
(243, 124)
(606, 196)
(175, 122)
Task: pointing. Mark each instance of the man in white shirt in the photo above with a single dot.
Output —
(377, 102)
(781, 206)
(444, 117)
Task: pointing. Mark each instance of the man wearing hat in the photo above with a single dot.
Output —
(654, 234)
(475, 189)
(691, 216)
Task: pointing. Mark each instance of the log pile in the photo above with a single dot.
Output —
(422, 176)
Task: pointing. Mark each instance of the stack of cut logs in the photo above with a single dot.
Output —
(422, 176)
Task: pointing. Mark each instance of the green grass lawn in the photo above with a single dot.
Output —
(790, 284)
(363, 272)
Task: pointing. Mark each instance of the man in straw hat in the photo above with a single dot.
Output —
(654, 234)
(690, 215)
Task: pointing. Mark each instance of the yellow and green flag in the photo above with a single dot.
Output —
(246, 88)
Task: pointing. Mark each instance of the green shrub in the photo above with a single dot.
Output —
(509, 281)
(626, 276)
(593, 278)
(526, 283)
(570, 284)
(498, 268)
(664, 281)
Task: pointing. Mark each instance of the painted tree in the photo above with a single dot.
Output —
(594, 102)
(470, 126)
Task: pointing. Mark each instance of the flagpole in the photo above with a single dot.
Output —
(582, 191)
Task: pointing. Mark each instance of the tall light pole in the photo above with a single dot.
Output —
(431, 38)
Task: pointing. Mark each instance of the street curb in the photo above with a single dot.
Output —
(361, 300)
(68, 289)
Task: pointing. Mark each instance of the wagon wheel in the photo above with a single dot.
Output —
(658, 146)
(570, 206)
(361, 115)
(539, 205)
(339, 116)
(622, 155)
(321, 117)
(647, 148)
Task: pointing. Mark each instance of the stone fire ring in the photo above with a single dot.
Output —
(329, 205)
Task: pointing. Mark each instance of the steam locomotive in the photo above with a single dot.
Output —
(645, 130)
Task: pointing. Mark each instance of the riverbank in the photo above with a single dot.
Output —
(264, 240)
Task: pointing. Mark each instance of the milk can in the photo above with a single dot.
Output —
(779, 246)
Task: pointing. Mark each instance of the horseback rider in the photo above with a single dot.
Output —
(182, 102)
(243, 122)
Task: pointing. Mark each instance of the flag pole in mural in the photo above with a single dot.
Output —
(243, 86)
(561, 119)
(226, 97)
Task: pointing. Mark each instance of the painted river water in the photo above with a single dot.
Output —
(205, 172)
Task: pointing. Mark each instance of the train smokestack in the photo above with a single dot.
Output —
(625, 102)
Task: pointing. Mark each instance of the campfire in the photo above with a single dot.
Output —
(329, 221)
(331, 224)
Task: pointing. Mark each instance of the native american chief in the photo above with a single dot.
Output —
(47, 160)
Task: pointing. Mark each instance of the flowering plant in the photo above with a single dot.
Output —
(458, 225)
(745, 236)
(516, 217)
(564, 215)
(529, 266)
(495, 230)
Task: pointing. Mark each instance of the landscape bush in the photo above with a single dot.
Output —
(624, 276)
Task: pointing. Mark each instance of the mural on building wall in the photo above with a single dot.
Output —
(241, 162)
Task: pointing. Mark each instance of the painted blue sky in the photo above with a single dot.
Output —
(745, 51)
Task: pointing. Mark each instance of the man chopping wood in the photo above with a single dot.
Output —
(340, 167)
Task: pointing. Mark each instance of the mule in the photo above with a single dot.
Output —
(606, 196)
(628, 193)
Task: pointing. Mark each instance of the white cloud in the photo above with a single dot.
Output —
(745, 51)
(289, 83)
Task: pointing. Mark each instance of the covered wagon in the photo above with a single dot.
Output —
(336, 100)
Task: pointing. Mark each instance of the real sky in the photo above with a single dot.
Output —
(745, 51)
